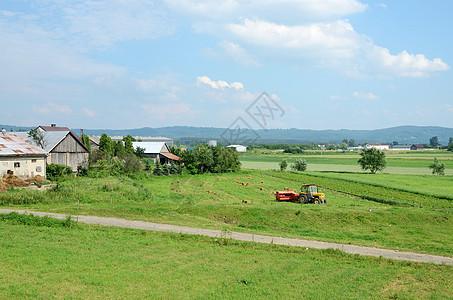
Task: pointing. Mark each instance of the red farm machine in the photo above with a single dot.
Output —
(308, 194)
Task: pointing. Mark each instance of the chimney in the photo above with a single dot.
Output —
(53, 125)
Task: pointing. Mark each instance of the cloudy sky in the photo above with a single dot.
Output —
(329, 64)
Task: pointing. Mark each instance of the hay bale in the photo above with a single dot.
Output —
(4, 186)
(38, 179)
(15, 181)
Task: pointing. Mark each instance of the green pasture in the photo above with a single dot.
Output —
(245, 202)
(397, 162)
(86, 262)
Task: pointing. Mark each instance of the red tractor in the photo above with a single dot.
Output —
(308, 194)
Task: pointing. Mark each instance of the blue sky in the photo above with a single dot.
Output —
(333, 64)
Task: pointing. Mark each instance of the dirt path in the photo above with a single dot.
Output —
(353, 249)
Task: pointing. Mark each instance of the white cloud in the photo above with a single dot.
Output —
(220, 84)
(89, 113)
(337, 97)
(405, 64)
(256, 31)
(234, 51)
(275, 10)
(173, 110)
(365, 96)
(51, 108)
(449, 107)
(105, 22)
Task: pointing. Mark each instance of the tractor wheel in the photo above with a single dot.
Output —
(316, 201)
(303, 199)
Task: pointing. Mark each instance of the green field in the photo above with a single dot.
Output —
(406, 212)
(56, 261)
(217, 201)
(397, 162)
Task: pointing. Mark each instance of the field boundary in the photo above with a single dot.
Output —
(248, 237)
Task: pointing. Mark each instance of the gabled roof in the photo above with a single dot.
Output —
(52, 138)
(170, 155)
(55, 128)
(12, 144)
(152, 147)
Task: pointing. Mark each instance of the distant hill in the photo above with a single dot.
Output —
(400, 134)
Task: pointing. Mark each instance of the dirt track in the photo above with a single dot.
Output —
(353, 249)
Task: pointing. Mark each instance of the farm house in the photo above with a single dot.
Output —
(238, 148)
(19, 158)
(158, 151)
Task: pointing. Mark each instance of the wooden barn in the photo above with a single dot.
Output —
(64, 147)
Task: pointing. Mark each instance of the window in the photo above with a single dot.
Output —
(38, 169)
(17, 165)
(33, 160)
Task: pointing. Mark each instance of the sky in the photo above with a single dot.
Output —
(325, 64)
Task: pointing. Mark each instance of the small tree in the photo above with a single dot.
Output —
(283, 165)
(139, 152)
(128, 144)
(86, 141)
(299, 165)
(437, 167)
(38, 136)
(372, 159)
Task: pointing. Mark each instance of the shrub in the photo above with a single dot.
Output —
(437, 167)
(299, 165)
(283, 165)
(55, 171)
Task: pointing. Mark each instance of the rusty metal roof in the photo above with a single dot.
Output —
(14, 145)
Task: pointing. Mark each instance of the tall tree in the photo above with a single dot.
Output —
(120, 151)
(372, 159)
(128, 144)
(106, 145)
(86, 141)
(434, 141)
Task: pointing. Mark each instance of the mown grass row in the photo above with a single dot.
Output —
(368, 191)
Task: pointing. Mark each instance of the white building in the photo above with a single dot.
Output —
(158, 151)
(384, 147)
(238, 148)
(19, 158)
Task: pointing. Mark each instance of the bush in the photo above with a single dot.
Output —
(283, 165)
(55, 171)
(299, 165)
(437, 167)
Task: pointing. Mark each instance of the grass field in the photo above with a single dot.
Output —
(397, 162)
(216, 201)
(82, 261)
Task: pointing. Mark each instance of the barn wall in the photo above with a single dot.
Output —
(28, 166)
(69, 144)
(69, 152)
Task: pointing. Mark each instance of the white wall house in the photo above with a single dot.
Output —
(384, 147)
(19, 158)
(238, 148)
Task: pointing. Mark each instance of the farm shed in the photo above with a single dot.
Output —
(238, 148)
(64, 148)
(401, 147)
(383, 147)
(417, 147)
(158, 151)
(19, 158)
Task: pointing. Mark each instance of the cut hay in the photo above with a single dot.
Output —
(15, 181)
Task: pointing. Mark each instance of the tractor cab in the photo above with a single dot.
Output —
(309, 189)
